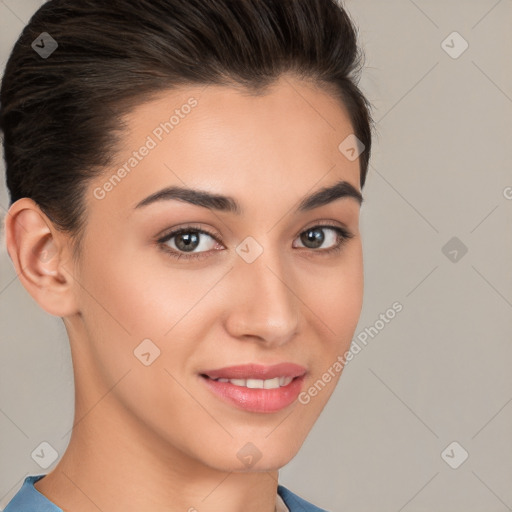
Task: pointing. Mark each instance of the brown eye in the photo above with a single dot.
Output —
(315, 237)
(183, 242)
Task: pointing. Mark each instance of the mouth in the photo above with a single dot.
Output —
(275, 383)
(256, 372)
(256, 388)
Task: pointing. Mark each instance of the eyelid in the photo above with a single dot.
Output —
(172, 232)
(324, 223)
(165, 235)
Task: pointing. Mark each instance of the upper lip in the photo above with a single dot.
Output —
(256, 371)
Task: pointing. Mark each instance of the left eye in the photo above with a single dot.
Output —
(315, 236)
(188, 239)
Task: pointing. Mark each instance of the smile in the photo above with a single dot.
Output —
(256, 395)
(258, 383)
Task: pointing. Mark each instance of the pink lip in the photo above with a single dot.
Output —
(257, 371)
(256, 400)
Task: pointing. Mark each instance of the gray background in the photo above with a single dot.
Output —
(440, 370)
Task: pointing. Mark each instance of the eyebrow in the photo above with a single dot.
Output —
(322, 197)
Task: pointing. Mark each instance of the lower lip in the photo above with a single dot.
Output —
(256, 399)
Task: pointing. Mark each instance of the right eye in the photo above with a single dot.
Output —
(186, 240)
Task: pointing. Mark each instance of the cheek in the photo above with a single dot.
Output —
(335, 295)
(141, 297)
(131, 308)
(336, 303)
(128, 307)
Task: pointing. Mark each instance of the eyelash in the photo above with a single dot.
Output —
(343, 236)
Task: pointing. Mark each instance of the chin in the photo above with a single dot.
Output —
(258, 456)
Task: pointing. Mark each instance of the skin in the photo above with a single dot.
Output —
(155, 437)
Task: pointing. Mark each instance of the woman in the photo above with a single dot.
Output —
(185, 180)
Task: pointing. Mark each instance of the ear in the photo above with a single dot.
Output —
(40, 254)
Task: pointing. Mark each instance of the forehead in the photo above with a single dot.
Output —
(227, 140)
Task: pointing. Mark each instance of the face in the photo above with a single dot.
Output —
(175, 285)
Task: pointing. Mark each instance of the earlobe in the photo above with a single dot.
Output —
(37, 253)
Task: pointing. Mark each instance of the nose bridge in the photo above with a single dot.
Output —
(264, 304)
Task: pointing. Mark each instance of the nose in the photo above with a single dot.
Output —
(263, 305)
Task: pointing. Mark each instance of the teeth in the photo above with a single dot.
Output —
(284, 381)
(258, 383)
(272, 383)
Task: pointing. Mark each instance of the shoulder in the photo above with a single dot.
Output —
(295, 503)
(29, 499)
